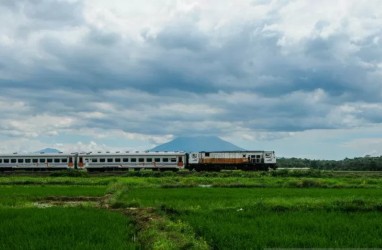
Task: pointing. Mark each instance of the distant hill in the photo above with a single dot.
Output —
(197, 143)
(48, 151)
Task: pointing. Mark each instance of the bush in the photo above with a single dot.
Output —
(70, 173)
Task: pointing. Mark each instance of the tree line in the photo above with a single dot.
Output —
(357, 164)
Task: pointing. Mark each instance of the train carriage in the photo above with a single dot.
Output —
(35, 161)
(132, 160)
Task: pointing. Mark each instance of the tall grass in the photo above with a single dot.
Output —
(229, 210)
(64, 228)
(18, 196)
(215, 198)
(38, 180)
(256, 229)
(255, 218)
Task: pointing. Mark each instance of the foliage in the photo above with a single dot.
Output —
(64, 228)
(21, 196)
(258, 229)
(254, 218)
(359, 163)
(70, 173)
(58, 180)
(201, 210)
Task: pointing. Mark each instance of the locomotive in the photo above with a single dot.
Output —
(107, 161)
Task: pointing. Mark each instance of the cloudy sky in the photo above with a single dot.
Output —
(303, 78)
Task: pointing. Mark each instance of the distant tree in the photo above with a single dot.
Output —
(359, 164)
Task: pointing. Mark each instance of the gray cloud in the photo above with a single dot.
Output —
(183, 78)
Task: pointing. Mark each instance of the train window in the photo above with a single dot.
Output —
(102, 160)
(35, 160)
(125, 159)
(109, 159)
(117, 159)
(243, 156)
(56, 160)
(149, 159)
(27, 160)
(157, 159)
(64, 160)
(42, 160)
(258, 156)
(141, 159)
(173, 159)
(6, 160)
(207, 154)
(133, 159)
(49, 160)
(1, 160)
(165, 159)
(13, 160)
(94, 159)
(20, 160)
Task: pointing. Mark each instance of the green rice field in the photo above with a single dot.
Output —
(64, 228)
(245, 218)
(228, 210)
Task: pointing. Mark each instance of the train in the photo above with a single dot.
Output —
(135, 160)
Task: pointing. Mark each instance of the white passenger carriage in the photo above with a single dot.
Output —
(95, 161)
(132, 160)
(36, 161)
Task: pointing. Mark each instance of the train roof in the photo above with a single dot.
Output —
(33, 154)
(99, 153)
(237, 151)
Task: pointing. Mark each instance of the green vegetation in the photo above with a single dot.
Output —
(245, 218)
(26, 196)
(64, 228)
(192, 210)
(270, 198)
(46, 180)
(30, 218)
(252, 228)
(359, 164)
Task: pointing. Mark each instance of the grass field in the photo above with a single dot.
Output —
(216, 198)
(185, 210)
(253, 218)
(252, 228)
(25, 196)
(27, 225)
(64, 228)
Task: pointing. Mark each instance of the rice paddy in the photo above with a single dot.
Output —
(234, 210)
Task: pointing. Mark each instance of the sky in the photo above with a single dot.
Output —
(302, 78)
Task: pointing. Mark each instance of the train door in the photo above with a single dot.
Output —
(80, 162)
(180, 161)
(70, 162)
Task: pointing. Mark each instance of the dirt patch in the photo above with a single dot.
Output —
(69, 201)
(156, 230)
(70, 198)
(142, 217)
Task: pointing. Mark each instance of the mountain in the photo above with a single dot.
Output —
(197, 143)
(48, 151)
